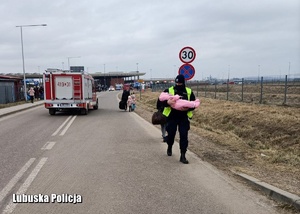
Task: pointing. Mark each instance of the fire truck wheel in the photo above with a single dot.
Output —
(52, 111)
(95, 107)
(83, 111)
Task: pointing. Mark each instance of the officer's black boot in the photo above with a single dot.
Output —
(183, 159)
(169, 150)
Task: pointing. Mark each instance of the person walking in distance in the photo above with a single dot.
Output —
(125, 95)
(31, 94)
(178, 118)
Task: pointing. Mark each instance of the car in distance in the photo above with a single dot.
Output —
(111, 88)
(119, 87)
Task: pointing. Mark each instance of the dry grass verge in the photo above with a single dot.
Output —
(262, 141)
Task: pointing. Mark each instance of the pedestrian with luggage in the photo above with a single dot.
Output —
(124, 98)
(178, 118)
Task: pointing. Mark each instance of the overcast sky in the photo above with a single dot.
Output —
(241, 38)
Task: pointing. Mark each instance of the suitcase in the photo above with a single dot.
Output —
(122, 105)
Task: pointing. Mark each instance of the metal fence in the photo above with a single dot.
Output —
(271, 92)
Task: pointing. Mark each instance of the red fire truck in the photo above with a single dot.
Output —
(67, 90)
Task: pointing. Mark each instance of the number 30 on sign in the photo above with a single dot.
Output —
(187, 55)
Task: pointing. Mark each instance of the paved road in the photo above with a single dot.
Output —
(108, 161)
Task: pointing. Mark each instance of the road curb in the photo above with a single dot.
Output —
(272, 191)
(18, 110)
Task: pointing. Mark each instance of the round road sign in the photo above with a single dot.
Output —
(187, 55)
(187, 70)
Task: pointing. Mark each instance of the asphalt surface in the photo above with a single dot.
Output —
(271, 191)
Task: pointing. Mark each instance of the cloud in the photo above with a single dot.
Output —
(119, 34)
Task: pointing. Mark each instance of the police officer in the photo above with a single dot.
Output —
(178, 118)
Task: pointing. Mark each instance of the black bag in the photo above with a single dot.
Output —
(122, 105)
(158, 118)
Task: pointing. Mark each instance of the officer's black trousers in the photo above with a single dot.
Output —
(183, 128)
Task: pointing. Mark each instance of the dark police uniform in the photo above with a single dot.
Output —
(180, 119)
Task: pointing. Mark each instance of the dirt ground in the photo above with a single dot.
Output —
(261, 153)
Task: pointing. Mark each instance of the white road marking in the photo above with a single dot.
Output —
(15, 179)
(68, 126)
(48, 145)
(11, 206)
(59, 128)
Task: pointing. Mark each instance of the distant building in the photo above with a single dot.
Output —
(11, 89)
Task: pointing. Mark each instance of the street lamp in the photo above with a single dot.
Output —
(258, 73)
(69, 60)
(137, 70)
(104, 77)
(174, 70)
(24, 78)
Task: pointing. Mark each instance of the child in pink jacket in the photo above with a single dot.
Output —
(179, 102)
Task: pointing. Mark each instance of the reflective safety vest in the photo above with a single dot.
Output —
(167, 110)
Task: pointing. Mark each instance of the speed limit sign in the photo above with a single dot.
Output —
(187, 55)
